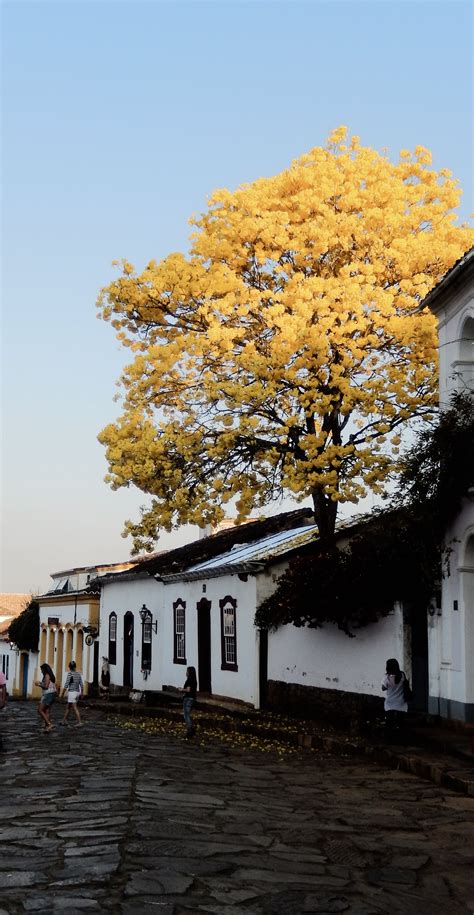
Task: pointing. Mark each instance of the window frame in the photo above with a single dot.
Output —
(146, 653)
(224, 605)
(112, 641)
(179, 606)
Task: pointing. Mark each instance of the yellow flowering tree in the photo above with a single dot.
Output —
(283, 355)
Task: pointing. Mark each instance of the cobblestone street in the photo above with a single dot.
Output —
(114, 820)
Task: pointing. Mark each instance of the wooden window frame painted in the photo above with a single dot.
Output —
(179, 605)
(146, 642)
(112, 641)
(224, 604)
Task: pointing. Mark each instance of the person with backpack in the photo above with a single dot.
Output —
(73, 686)
(397, 689)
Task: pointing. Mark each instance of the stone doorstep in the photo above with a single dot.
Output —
(438, 772)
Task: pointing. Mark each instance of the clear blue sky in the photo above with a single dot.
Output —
(119, 119)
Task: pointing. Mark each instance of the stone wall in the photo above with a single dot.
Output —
(336, 706)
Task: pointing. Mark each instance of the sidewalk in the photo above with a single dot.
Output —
(440, 754)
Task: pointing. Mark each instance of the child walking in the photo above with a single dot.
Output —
(190, 689)
(74, 687)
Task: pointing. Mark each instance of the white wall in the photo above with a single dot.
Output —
(451, 634)
(241, 684)
(451, 646)
(130, 595)
(456, 356)
(8, 662)
(121, 597)
(329, 659)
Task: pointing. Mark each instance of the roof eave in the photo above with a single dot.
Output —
(454, 278)
(227, 568)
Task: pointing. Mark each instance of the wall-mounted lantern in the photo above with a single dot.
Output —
(147, 625)
(147, 619)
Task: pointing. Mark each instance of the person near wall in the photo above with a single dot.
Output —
(190, 690)
(393, 684)
(104, 688)
(49, 694)
(3, 691)
(73, 686)
(3, 700)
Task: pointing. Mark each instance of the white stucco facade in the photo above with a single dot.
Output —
(240, 682)
(451, 627)
(124, 598)
(327, 658)
(8, 662)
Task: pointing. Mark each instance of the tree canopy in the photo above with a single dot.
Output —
(399, 554)
(281, 356)
(24, 630)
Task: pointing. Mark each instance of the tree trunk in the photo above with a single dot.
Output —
(325, 514)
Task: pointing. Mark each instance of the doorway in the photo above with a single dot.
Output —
(263, 668)
(204, 645)
(128, 649)
(24, 675)
(95, 668)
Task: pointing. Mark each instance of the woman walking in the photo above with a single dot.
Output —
(190, 689)
(73, 686)
(395, 702)
(48, 685)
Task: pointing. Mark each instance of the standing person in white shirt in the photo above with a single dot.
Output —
(395, 702)
(74, 687)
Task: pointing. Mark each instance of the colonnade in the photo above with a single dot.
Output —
(61, 644)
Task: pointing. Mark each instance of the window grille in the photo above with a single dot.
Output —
(179, 612)
(113, 638)
(229, 633)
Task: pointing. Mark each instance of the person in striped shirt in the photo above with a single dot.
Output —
(73, 686)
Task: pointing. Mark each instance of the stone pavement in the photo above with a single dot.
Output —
(107, 819)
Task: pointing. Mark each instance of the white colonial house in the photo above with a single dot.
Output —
(69, 629)
(451, 626)
(192, 606)
(195, 606)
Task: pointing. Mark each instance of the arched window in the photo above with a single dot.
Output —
(463, 368)
(113, 638)
(147, 619)
(179, 629)
(229, 633)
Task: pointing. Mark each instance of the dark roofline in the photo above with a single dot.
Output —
(346, 528)
(179, 559)
(66, 595)
(452, 276)
(251, 567)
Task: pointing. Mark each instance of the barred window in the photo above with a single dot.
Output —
(147, 621)
(179, 626)
(229, 633)
(113, 638)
